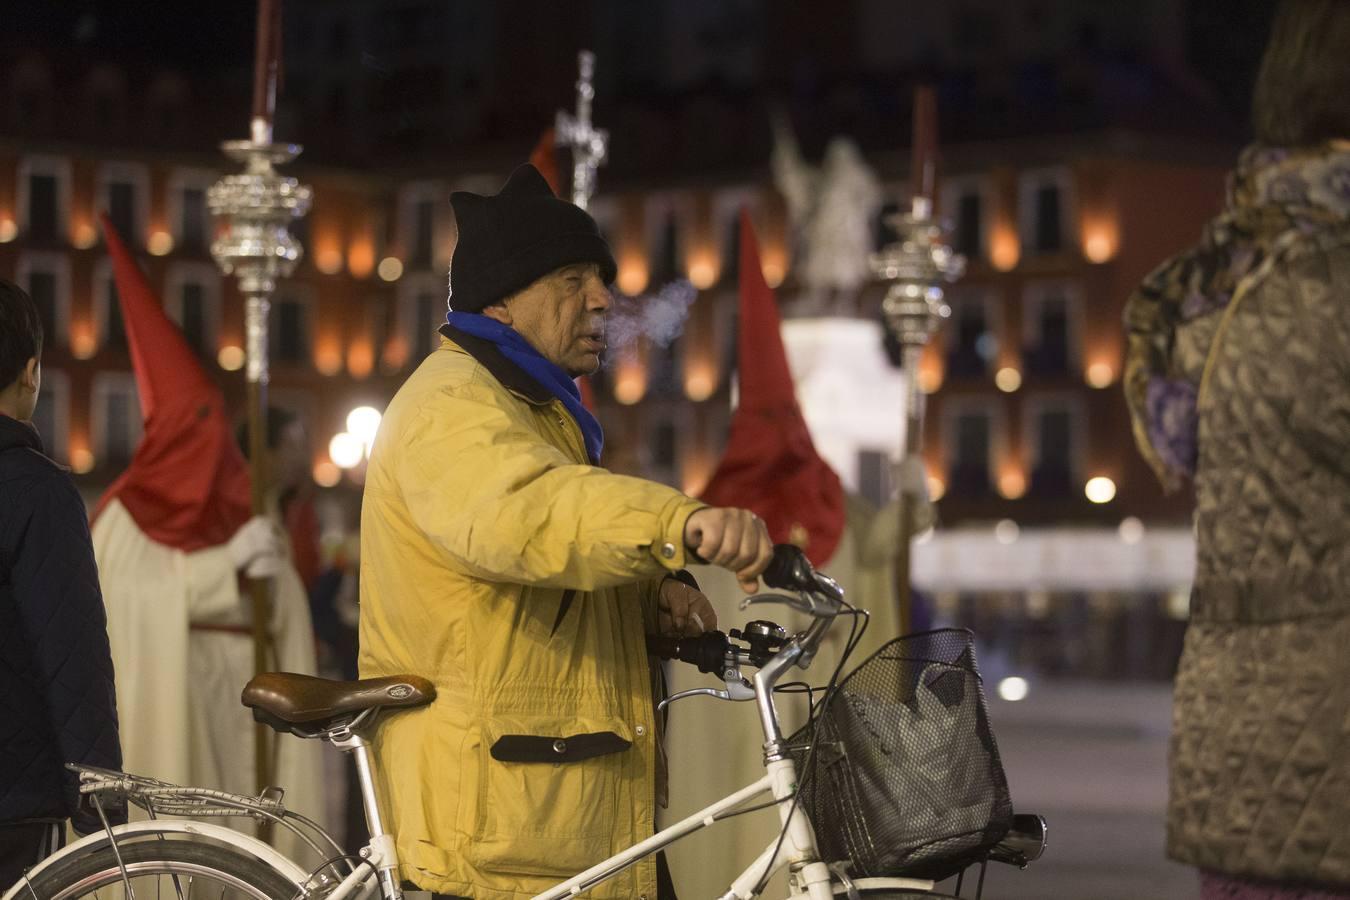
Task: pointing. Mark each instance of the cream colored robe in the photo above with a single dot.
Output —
(715, 747)
(178, 689)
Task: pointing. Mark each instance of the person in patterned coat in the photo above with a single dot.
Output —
(1238, 378)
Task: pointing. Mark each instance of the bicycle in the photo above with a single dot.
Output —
(188, 854)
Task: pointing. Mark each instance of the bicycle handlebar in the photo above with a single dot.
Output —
(707, 651)
(791, 570)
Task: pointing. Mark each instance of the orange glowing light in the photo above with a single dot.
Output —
(773, 262)
(1004, 248)
(630, 381)
(1012, 483)
(700, 380)
(360, 358)
(633, 274)
(8, 230)
(231, 358)
(361, 258)
(395, 354)
(930, 373)
(936, 488)
(702, 269)
(1008, 379)
(81, 460)
(83, 235)
(328, 259)
(328, 357)
(83, 344)
(160, 243)
(697, 470)
(1101, 237)
(1100, 374)
(326, 474)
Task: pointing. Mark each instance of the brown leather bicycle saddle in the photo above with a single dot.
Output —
(319, 702)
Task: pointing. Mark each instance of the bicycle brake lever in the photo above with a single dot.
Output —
(738, 689)
(798, 603)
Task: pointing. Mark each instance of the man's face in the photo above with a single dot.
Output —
(562, 315)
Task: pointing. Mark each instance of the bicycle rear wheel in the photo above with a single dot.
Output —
(163, 868)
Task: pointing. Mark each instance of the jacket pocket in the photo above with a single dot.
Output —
(548, 798)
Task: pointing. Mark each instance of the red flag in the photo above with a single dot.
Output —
(187, 485)
(770, 466)
(544, 157)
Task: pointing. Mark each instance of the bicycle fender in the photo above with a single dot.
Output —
(249, 845)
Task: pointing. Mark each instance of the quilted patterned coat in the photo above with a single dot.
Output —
(1260, 763)
(57, 702)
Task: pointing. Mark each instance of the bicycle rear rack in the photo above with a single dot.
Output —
(160, 798)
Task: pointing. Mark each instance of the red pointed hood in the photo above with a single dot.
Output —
(544, 157)
(770, 466)
(188, 484)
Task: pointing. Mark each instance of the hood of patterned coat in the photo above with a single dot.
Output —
(1274, 195)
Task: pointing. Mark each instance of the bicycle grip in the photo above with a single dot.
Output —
(789, 569)
(708, 651)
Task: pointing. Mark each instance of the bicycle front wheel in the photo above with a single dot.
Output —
(164, 868)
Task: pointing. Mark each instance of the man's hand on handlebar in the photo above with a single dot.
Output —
(734, 539)
(684, 611)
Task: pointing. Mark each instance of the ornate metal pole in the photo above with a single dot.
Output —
(588, 144)
(917, 264)
(255, 208)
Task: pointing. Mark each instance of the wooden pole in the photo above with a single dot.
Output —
(266, 60)
(910, 493)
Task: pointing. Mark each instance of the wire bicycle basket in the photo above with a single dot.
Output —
(906, 778)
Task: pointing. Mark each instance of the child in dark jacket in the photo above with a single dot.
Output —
(57, 699)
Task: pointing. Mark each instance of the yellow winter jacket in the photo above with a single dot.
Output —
(497, 563)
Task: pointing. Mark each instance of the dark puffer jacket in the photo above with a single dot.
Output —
(57, 700)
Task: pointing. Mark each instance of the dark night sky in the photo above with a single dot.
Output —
(213, 43)
(195, 36)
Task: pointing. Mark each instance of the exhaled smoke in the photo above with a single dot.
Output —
(658, 317)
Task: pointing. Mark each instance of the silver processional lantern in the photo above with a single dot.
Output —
(589, 145)
(917, 265)
(255, 209)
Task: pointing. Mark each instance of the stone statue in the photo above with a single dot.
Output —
(832, 211)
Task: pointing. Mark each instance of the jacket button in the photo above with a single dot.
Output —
(668, 550)
(560, 746)
(641, 730)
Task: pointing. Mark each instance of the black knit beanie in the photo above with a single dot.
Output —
(511, 239)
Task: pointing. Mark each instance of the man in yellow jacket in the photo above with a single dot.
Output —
(502, 563)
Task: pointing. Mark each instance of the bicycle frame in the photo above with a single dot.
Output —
(793, 845)
(780, 781)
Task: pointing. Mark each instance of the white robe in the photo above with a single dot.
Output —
(178, 688)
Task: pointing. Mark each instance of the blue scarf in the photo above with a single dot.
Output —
(549, 376)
